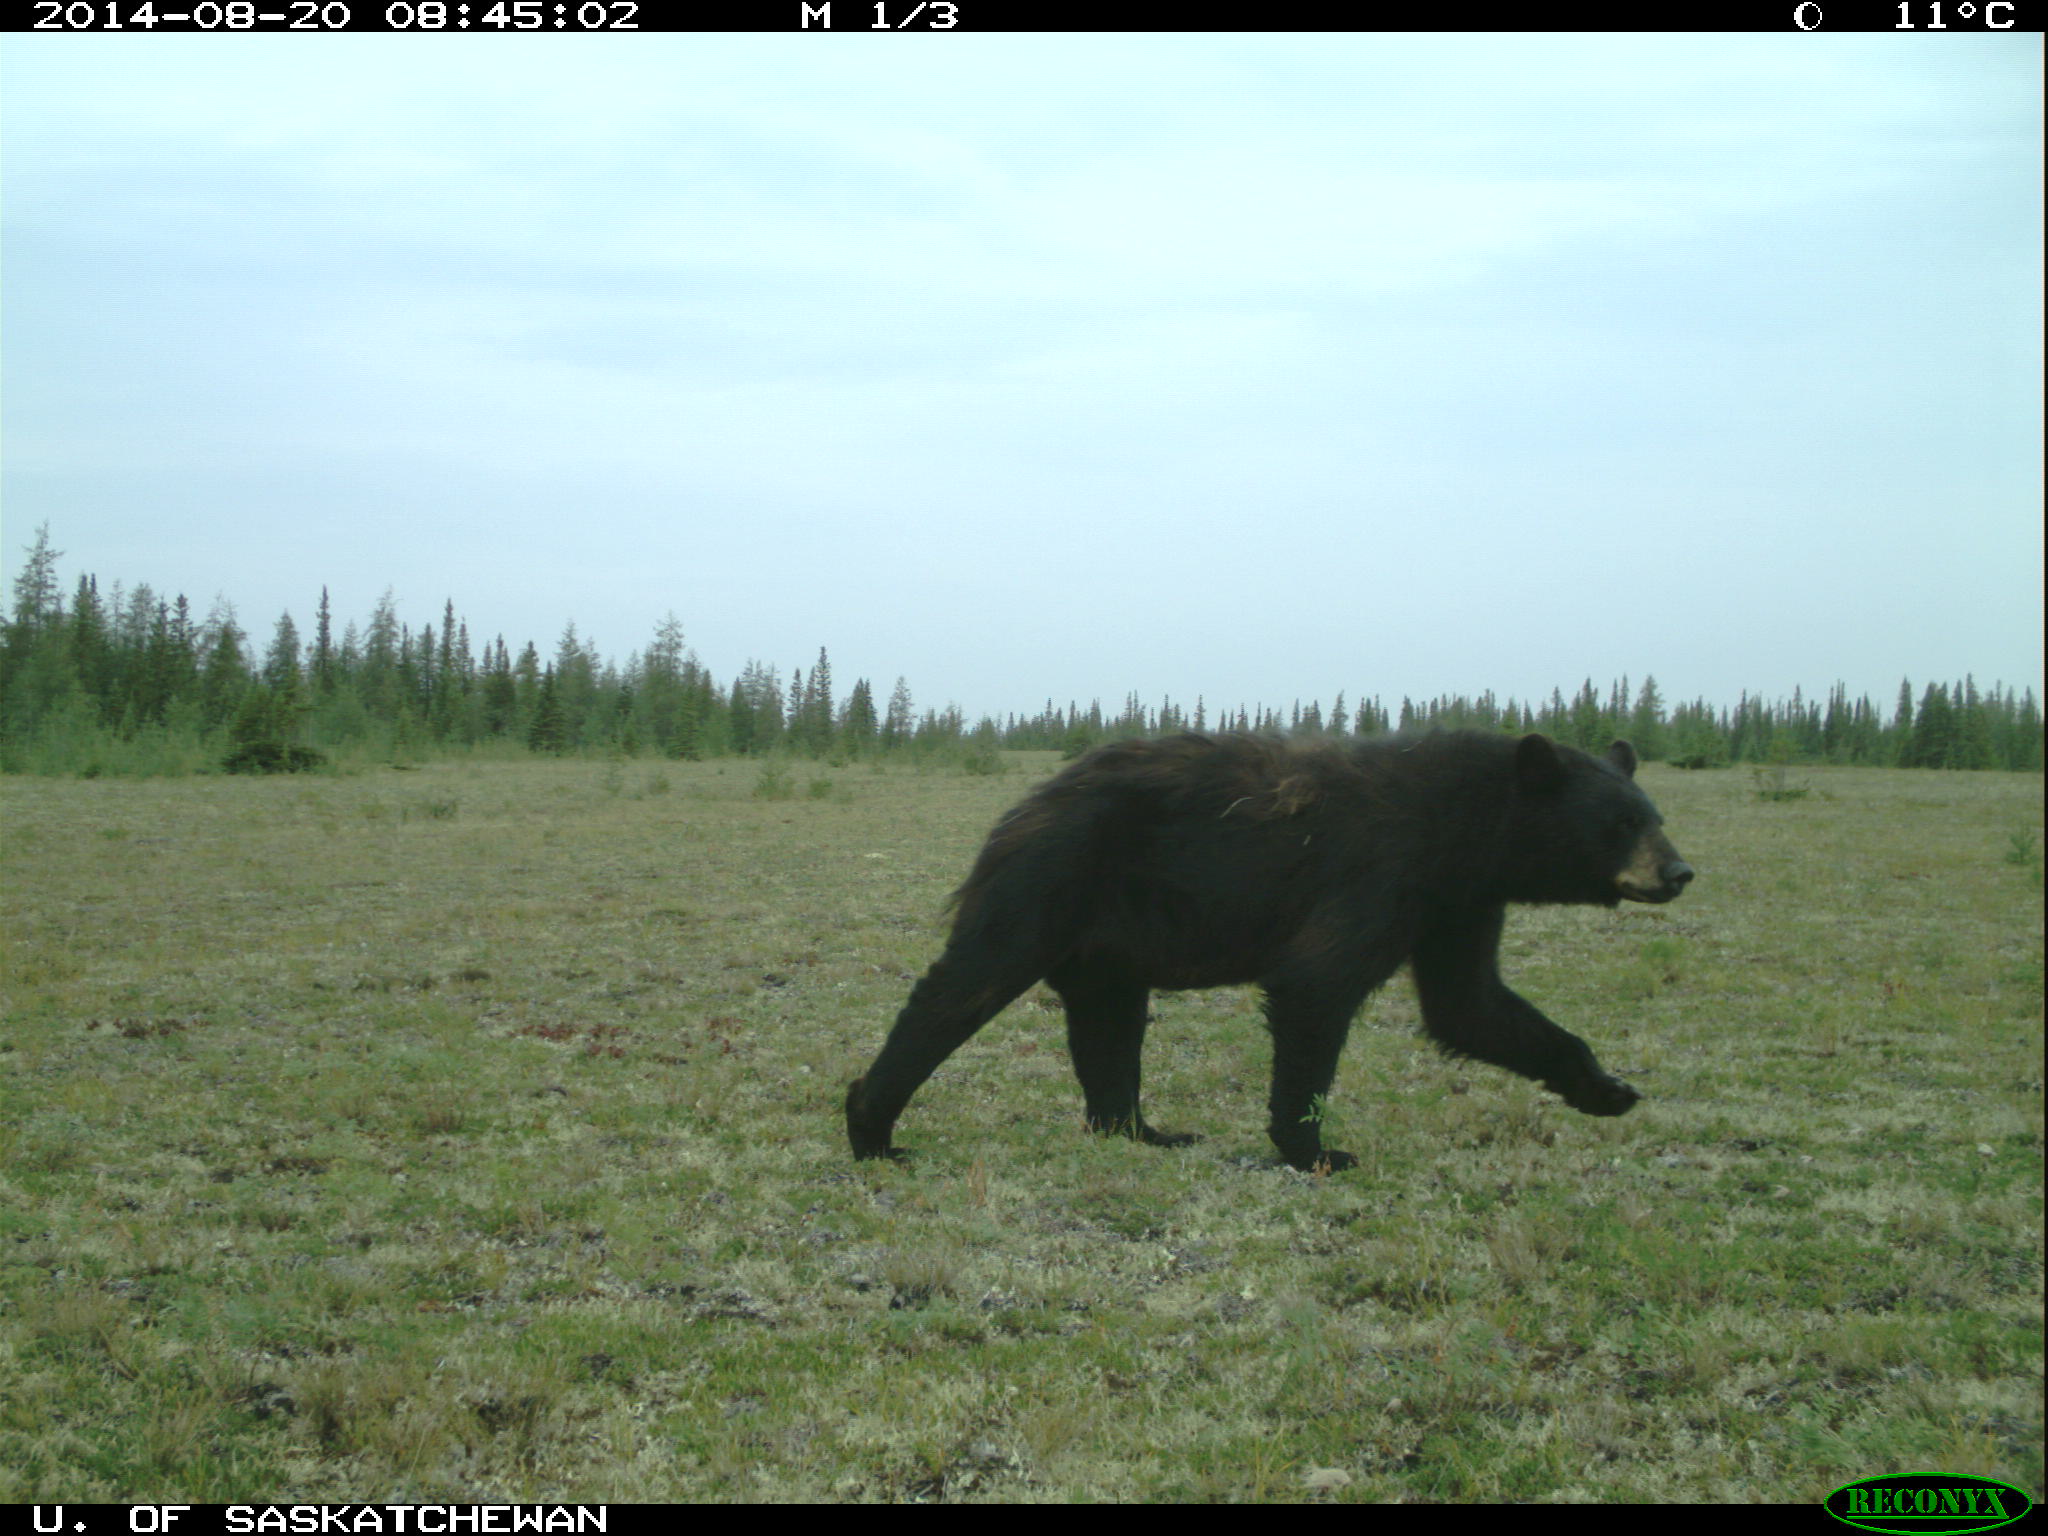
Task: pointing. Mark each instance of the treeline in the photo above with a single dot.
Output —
(131, 682)
(127, 681)
(1951, 725)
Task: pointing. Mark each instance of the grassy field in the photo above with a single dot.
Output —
(474, 1133)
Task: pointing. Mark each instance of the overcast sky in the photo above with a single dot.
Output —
(1029, 366)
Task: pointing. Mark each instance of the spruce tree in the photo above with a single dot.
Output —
(281, 661)
(500, 693)
(86, 632)
(898, 723)
(1838, 725)
(377, 676)
(818, 707)
(225, 672)
(576, 683)
(549, 731)
(37, 603)
(323, 649)
(1934, 730)
(254, 720)
(739, 713)
(1587, 721)
(1973, 728)
(625, 730)
(2024, 753)
(450, 685)
(153, 678)
(764, 697)
(662, 686)
(1646, 722)
(526, 673)
(859, 728)
(692, 705)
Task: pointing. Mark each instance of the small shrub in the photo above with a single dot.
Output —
(272, 757)
(1773, 783)
(774, 783)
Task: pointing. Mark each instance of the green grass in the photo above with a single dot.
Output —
(473, 1132)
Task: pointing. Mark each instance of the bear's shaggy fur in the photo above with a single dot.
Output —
(1313, 869)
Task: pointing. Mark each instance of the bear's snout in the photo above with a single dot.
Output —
(1655, 874)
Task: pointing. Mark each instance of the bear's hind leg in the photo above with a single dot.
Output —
(1309, 1029)
(1106, 1019)
(960, 993)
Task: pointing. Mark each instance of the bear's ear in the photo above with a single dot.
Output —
(1623, 756)
(1537, 765)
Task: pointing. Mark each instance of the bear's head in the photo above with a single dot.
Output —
(1586, 831)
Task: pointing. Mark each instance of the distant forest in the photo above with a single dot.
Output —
(129, 682)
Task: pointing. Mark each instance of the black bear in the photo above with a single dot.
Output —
(1313, 869)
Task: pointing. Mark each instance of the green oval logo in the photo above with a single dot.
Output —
(1930, 1502)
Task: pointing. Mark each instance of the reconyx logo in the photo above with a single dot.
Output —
(1928, 1502)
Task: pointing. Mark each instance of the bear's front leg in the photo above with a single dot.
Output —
(1469, 1011)
(1582, 1084)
